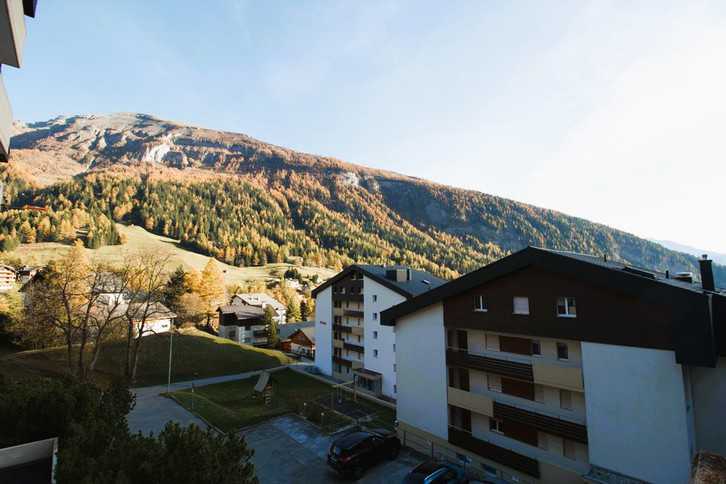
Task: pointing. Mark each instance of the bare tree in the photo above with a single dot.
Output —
(148, 277)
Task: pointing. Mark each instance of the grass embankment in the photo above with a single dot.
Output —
(139, 239)
(233, 405)
(196, 354)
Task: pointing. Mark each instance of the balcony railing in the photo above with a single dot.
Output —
(342, 361)
(353, 347)
(353, 313)
(462, 438)
(342, 329)
(521, 371)
(261, 333)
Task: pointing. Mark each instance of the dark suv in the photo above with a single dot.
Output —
(352, 454)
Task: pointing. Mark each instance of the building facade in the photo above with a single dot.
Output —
(243, 324)
(351, 343)
(555, 367)
(7, 278)
(12, 41)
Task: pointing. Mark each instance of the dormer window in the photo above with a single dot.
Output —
(566, 307)
(480, 304)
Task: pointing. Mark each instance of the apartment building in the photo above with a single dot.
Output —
(557, 367)
(350, 342)
(12, 41)
(7, 277)
(243, 324)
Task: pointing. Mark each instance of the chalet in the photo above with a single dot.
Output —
(7, 278)
(302, 342)
(286, 332)
(158, 318)
(243, 324)
(262, 300)
(26, 273)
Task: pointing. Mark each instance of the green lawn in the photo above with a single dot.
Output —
(196, 355)
(233, 405)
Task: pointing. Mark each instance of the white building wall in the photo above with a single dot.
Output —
(421, 371)
(386, 337)
(709, 401)
(324, 331)
(636, 412)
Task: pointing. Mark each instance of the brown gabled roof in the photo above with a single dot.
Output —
(699, 321)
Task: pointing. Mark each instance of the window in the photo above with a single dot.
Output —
(539, 394)
(566, 399)
(566, 307)
(375, 334)
(375, 316)
(394, 347)
(337, 319)
(375, 353)
(521, 305)
(494, 383)
(542, 440)
(375, 297)
(358, 338)
(536, 348)
(489, 470)
(232, 334)
(394, 367)
(336, 304)
(395, 389)
(562, 351)
(569, 450)
(495, 425)
(480, 304)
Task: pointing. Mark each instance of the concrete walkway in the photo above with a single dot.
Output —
(152, 411)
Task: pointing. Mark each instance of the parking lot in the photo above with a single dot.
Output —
(290, 450)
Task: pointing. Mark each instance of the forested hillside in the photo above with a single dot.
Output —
(249, 203)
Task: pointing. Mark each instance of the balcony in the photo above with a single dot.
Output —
(471, 401)
(12, 29)
(337, 343)
(348, 297)
(356, 330)
(260, 333)
(463, 439)
(511, 369)
(349, 363)
(551, 425)
(567, 377)
(342, 329)
(353, 313)
(353, 347)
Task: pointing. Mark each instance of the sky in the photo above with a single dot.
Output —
(610, 111)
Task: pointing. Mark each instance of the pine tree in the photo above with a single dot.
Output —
(271, 323)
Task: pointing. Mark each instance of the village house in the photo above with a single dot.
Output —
(7, 278)
(262, 300)
(243, 324)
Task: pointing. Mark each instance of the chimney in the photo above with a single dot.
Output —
(706, 273)
(408, 274)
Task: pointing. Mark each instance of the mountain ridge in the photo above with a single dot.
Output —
(448, 229)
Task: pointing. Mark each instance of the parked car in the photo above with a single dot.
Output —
(436, 472)
(353, 453)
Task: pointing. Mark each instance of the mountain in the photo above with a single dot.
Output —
(687, 249)
(248, 202)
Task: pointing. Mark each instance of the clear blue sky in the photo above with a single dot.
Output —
(611, 111)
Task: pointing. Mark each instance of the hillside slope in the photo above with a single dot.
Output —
(249, 202)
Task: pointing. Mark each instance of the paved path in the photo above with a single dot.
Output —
(152, 411)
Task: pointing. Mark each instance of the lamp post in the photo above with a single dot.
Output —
(171, 343)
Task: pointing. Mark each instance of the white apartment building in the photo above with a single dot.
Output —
(351, 344)
(564, 368)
